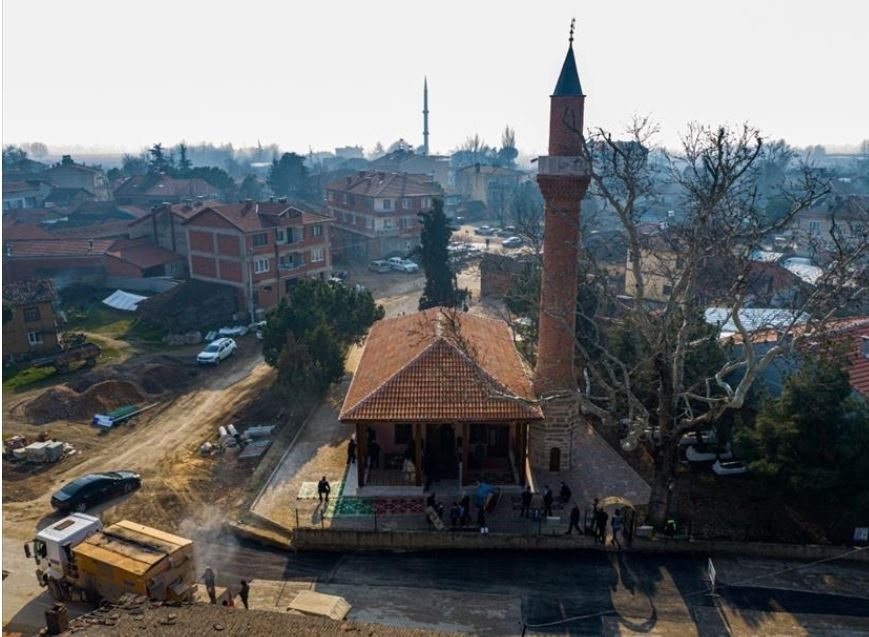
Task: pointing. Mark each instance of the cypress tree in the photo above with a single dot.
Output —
(441, 289)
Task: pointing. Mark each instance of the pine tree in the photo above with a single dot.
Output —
(441, 289)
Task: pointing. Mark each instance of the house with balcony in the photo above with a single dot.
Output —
(260, 249)
(375, 213)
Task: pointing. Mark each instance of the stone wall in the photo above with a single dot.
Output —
(560, 416)
(313, 539)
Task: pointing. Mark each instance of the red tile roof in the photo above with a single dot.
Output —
(253, 217)
(440, 365)
(858, 355)
(25, 232)
(106, 230)
(164, 186)
(381, 184)
(142, 253)
(57, 248)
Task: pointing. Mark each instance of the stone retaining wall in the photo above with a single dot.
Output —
(311, 539)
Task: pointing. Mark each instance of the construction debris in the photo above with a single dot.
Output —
(119, 415)
(312, 603)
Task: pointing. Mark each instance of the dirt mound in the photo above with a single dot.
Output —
(64, 403)
(154, 375)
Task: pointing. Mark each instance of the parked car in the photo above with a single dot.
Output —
(380, 266)
(94, 488)
(706, 438)
(693, 454)
(484, 231)
(216, 351)
(729, 468)
(259, 329)
(512, 242)
(403, 265)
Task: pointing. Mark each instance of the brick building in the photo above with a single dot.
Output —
(375, 213)
(260, 249)
(29, 321)
(164, 224)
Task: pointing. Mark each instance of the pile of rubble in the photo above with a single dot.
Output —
(65, 403)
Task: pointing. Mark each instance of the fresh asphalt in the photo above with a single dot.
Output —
(545, 587)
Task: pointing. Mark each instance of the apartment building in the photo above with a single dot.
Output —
(375, 213)
(261, 249)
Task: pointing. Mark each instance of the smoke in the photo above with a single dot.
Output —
(213, 544)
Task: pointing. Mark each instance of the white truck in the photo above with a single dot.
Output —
(52, 551)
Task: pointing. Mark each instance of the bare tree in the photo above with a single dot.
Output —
(721, 222)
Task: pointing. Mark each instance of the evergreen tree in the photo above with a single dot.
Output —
(441, 289)
(184, 163)
(289, 177)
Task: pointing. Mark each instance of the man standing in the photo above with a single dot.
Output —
(564, 494)
(244, 592)
(208, 578)
(351, 451)
(601, 519)
(526, 503)
(574, 520)
(617, 527)
(547, 501)
(323, 489)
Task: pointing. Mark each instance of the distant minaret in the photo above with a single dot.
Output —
(425, 116)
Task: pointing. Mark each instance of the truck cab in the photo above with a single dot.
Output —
(52, 549)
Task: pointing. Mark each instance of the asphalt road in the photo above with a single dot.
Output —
(495, 593)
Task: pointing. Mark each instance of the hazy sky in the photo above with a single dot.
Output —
(122, 74)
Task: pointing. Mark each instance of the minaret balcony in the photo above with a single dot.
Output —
(556, 166)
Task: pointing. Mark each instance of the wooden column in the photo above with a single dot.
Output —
(361, 452)
(465, 444)
(522, 438)
(417, 451)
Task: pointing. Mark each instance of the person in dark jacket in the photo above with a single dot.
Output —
(526, 503)
(323, 489)
(547, 501)
(351, 451)
(601, 518)
(574, 520)
(564, 493)
(244, 593)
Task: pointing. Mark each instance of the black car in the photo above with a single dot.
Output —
(93, 488)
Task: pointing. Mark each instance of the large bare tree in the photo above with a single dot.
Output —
(677, 376)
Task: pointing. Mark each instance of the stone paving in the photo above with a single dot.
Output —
(597, 471)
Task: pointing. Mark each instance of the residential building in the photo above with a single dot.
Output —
(29, 319)
(88, 260)
(437, 167)
(446, 389)
(70, 175)
(491, 185)
(261, 249)
(842, 221)
(375, 213)
(154, 189)
(24, 194)
(164, 224)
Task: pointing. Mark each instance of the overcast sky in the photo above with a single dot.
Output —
(122, 74)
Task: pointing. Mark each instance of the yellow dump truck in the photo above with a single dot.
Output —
(77, 558)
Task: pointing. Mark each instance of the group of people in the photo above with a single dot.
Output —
(460, 512)
(373, 451)
(599, 520)
(210, 586)
(530, 509)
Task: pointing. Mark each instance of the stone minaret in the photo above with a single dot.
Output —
(563, 178)
(425, 116)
